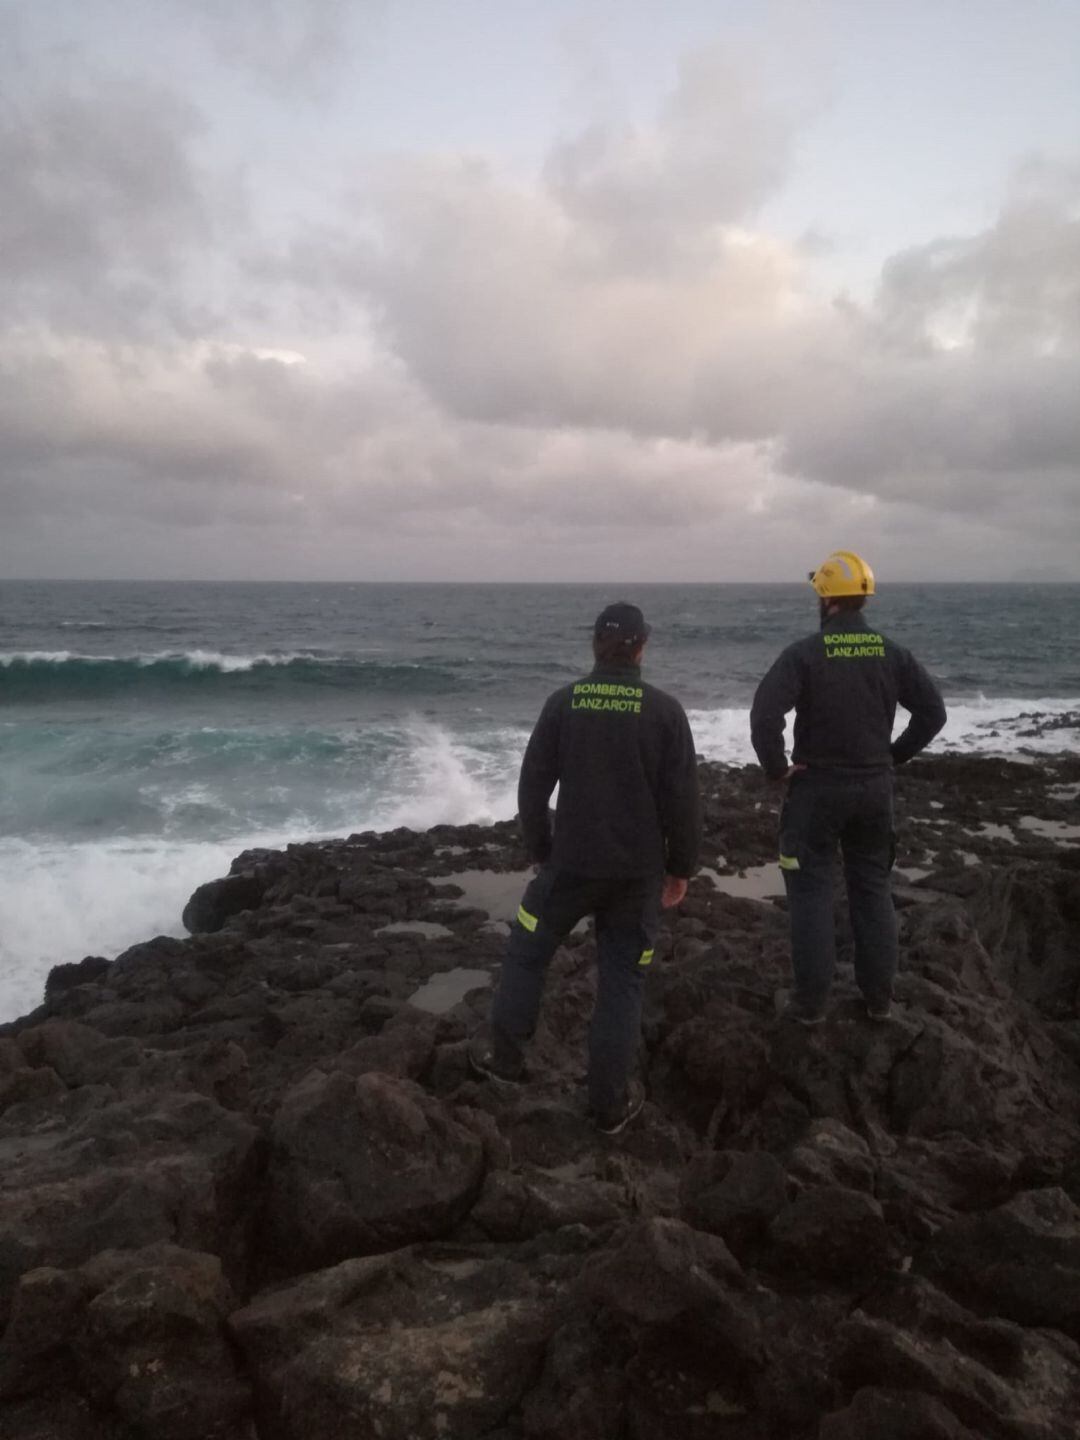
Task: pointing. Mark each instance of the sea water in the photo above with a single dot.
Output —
(149, 732)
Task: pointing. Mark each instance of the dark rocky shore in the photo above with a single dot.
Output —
(249, 1188)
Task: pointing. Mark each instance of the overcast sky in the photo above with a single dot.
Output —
(539, 289)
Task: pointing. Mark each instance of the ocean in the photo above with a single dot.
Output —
(149, 732)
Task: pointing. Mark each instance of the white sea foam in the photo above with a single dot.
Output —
(228, 664)
(446, 780)
(194, 659)
(975, 726)
(60, 901)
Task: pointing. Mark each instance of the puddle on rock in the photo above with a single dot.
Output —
(994, 832)
(443, 991)
(757, 882)
(1050, 829)
(427, 928)
(912, 872)
(498, 892)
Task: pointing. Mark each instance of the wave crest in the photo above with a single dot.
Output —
(61, 674)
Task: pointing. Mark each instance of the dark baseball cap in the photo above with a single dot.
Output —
(625, 621)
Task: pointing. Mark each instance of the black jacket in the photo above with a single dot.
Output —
(844, 683)
(623, 757)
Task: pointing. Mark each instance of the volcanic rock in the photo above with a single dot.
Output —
(249, 1187)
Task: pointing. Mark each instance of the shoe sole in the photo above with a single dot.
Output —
(631, 1114)
(482, 1072)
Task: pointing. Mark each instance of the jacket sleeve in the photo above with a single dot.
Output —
(539, 775)
(919, 695)
(680, 799)
(774, 697)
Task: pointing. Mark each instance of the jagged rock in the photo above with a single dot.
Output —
(164, 1167)
(832, 1154)
(154, 1347)
(513, 1207)
(213, 903)
(79, 1054)
(141, 1332)
(581, 1391)
(664, 1274)
(406, 1346)
(1021, 1260)
(28, 1083)
(735, 1195)
(833, 1233)
(145, 1099)
(1003, 1382)
(365, 1164)
(65, 977)
(893, 1415)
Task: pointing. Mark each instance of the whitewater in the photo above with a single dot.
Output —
(131, 770)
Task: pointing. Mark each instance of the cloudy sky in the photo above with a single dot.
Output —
(539, 289)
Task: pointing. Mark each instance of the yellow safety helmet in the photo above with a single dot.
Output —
(843, 573)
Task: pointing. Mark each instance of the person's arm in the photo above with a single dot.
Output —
(774, 697)
(538, 778)
(919, 695)
(680, 807)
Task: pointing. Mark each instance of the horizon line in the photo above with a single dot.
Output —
(632, 583)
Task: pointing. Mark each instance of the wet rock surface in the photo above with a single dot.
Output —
(249, 1187)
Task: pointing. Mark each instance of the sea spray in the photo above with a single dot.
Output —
(150, 732)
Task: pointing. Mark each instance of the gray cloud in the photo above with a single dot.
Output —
(103, 204)
(952, 387)
(647, 197)
(610, 365)
(301, 47)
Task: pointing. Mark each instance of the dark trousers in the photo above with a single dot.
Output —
(822, 810)
(626, 913)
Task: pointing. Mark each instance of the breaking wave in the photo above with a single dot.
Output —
(60, 675)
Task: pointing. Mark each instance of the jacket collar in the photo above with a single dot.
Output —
(852, 620)
(616, 671)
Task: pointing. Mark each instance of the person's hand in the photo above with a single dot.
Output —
(783, 779)
(674, 891)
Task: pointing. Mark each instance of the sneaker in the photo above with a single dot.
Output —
(612, 1122)
(482, 1064)
(803, 1016)
(879, 1011)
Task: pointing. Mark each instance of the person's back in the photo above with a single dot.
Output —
(844, 683)
(621, 752)
(625, 842)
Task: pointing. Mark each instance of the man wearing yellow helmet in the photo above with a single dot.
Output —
(844, 683)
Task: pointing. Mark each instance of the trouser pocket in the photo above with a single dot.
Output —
(794, 818)
(628, 919)
(534, 903)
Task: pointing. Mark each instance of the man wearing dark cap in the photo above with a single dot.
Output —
(624, 844)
